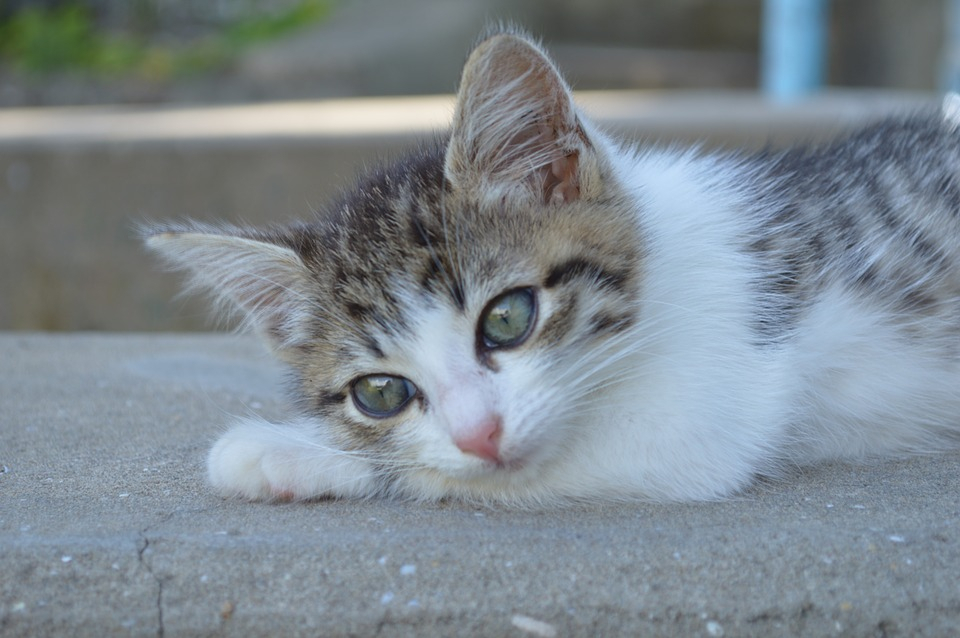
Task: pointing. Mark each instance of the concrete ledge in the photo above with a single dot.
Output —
(74, 182)
(107, 527)
(744, 118)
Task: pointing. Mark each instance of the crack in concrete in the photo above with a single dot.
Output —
(146, 563)
(145, 543)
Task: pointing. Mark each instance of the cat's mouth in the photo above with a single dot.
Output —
(480, 468)
(511, 465)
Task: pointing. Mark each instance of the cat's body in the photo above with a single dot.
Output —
(526, 312)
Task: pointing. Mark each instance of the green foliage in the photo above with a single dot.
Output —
(45, 40)
(270, 27)
(66, 38)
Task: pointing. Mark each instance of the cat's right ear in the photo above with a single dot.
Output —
(265, 280)
(516, 132)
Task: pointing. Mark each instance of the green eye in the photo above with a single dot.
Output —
(382, 395)
(508, 319)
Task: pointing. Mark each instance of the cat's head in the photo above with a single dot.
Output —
(459, 314)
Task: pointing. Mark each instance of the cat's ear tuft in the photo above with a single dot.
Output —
(515, 127)
(265, 280)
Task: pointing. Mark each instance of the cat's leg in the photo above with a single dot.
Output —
(258, 460)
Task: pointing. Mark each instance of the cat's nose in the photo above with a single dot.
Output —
(482, 440)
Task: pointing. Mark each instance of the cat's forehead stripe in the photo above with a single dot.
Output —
(438, 275)
(373, 347)
(578, 267)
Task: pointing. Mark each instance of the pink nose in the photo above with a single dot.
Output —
(483, 440)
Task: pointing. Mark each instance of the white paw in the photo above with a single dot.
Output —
(261, 461)
(235, 464)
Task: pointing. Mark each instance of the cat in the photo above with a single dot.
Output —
(526, 312)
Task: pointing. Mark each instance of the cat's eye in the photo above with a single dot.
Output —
(382, 395)
(508, 319)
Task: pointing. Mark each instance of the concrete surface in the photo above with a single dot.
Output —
(75, 182)
(107, 528)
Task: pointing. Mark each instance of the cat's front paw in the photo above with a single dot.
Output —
(259, 461)
(235, 465)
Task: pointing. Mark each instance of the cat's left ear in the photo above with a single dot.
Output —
(259, 276)
(515, 129)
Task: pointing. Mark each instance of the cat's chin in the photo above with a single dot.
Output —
(498, 468)
(482, 481)
(522, 488)
(482, 470)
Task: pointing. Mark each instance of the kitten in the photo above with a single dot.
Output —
(527, 312)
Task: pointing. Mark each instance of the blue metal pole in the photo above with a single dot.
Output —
(793, 43)
(950, 71)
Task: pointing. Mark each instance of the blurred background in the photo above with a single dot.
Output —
(55, 52)
(89, 148)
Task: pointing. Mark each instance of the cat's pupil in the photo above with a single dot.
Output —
(382, 395)
(507, 319)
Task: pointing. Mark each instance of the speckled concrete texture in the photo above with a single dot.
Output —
(108, 528)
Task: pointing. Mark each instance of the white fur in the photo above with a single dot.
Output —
(261, 461)
(861, 390)
(951, 109)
